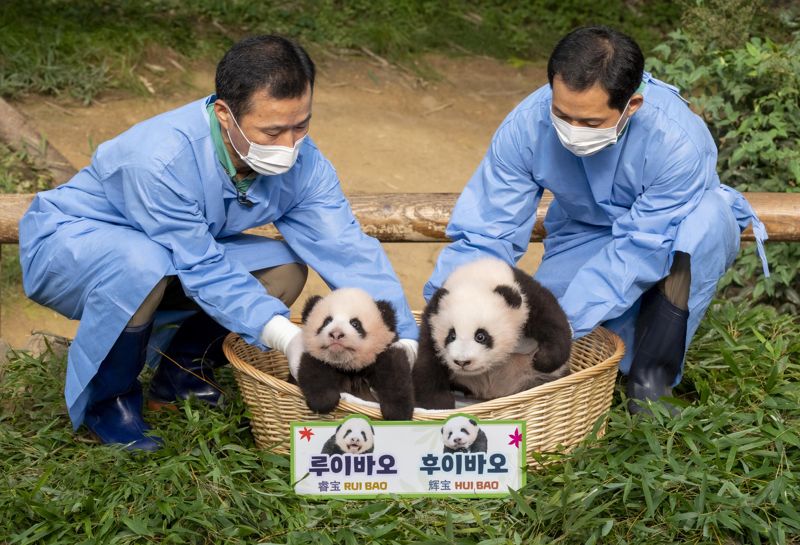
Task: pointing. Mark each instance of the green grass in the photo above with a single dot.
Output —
(724, 472)
(82, 48)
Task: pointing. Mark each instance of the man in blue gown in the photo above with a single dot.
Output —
(152, 228)
(640, 229)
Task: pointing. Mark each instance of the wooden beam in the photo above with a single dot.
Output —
(422, 217)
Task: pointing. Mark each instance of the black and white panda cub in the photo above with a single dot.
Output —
(348, 337)
(491, 330)
(462, 434)
(353, 436)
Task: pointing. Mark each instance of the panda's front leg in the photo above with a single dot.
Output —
(430, 376)
(320, 384)
(553, 350)
(390, 376)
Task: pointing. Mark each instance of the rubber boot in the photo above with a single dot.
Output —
(114, 411)
(187, 367)
(659, 344)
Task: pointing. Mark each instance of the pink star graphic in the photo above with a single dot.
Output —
(516, 438)
(306, 433)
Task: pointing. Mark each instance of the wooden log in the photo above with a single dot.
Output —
(22, 136)
(422, 217)
(12, 207)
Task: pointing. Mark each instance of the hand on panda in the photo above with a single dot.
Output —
(294, 352)
(281, 334)
(410, 347)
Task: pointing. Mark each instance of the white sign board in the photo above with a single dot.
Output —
(357, 458)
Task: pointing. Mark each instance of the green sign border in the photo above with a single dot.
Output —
(385, 423)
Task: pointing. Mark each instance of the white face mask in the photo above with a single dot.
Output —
(266, 160)
(586, 141)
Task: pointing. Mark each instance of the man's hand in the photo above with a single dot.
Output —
(410, 347)
(281, 334)
(294, 352)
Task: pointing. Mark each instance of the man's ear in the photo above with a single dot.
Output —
(223, 114)
(636, 102)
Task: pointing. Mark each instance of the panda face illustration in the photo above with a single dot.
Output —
(459, 433)
(355, 436)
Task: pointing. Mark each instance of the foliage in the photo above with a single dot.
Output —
(726, 23)
(749, 95)
(20, 174)
(82, 48)
(724, 471)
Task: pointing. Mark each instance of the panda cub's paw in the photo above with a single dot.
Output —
(323, 402)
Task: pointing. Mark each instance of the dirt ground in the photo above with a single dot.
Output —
(384, 129)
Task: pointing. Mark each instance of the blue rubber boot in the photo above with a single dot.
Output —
(187, 367)
(660, 344)
(114, 412)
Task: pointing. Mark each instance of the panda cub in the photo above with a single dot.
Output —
(348, 339)
(491, 330)
(353, 436)
(462, 434)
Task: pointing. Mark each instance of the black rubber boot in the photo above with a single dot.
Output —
(114, 412)
(659, 347)
(187, 367)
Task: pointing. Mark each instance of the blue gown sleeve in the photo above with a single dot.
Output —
(322, 230)
(222, 287)
(638, 254)
(496, 212)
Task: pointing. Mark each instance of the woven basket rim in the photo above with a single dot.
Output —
(526, 396)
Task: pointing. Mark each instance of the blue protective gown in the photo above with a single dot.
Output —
(156, 201)
(617, 216)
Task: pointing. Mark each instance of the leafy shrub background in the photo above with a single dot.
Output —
(747, 88)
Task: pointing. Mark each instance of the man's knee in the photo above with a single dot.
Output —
(710, 228)
(284, 281)
(148, 307)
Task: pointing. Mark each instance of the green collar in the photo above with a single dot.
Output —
(222, 153)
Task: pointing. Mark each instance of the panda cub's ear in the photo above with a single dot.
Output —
(388, 314)
(433, 304)
(511, 295)
(310, 304)
(471, 421)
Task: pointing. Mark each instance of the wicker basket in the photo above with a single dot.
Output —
(558, 414)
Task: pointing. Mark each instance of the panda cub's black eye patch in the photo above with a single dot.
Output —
(482, 337)
(325, 322)
(356, 323)
(451, 336)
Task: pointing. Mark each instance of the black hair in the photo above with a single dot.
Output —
(589, 55)
(268, 62)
